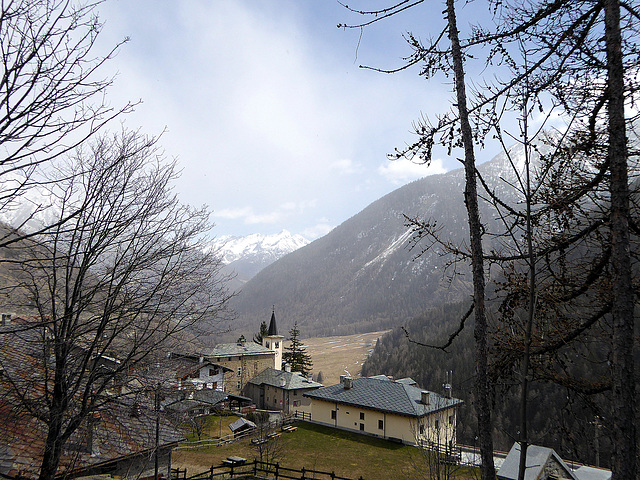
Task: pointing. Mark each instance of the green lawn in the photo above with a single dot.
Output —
(322, 448)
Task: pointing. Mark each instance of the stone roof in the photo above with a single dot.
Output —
(585, 472)
(537, 458)
(385, 395)
(241, 424)
(284, 380)
(235, 349)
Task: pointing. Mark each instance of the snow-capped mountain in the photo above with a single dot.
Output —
(246, 256)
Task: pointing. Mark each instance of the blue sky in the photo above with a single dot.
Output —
(264, 105)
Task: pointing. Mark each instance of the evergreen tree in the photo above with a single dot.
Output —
(295, 356)
(264, 330)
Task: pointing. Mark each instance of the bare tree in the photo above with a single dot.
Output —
(51, 96)
(112, 287)
(266, 441)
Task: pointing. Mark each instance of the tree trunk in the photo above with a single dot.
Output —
(482, 386)
(624, 462)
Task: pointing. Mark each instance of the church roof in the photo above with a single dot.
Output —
(273, 329)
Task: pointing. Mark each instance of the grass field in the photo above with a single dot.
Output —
(319, 448)
(335, 356)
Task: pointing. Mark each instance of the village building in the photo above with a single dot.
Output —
(545, 464)
(394, 410)
(247, 359)
(119, 438)
(281, 390)
(542, 463)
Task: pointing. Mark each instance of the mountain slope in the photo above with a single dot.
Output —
(362, 276)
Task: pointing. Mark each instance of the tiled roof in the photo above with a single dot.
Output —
(233, 349)
(283, 379)
(384, 395)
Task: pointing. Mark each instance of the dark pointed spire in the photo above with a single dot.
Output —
(273, 329)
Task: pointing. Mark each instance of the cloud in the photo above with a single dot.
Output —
(317, 231)
(403, 171)
(345, 166)
(249, 216)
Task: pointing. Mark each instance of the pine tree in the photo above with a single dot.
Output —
(295, 356)
(264, 331)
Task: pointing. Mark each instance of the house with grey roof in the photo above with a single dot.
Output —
(542, 463)
(281, 390)
(545, 464)
(390, 409)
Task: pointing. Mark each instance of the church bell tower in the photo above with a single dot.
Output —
(273, 341)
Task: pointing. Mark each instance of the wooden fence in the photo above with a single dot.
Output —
(257, 469)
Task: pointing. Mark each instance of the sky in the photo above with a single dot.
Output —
(264, 105)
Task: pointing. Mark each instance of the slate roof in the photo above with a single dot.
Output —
(537, 458)
(241, 424)
(284, 380)
(592, 473)
(273, 328)
(233, 349)
(384, 395)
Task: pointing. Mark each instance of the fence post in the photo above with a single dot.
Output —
(333, 475)
(303, 470)
(255, 467)
(277, 469)
(211, 473)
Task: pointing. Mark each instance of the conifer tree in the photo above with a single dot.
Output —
(264, 331)
(296, 356)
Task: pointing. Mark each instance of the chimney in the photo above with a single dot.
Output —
(424, 397)
(201, 359)
(447, 390)
(342, 377)
(348, 383)
(287, 367)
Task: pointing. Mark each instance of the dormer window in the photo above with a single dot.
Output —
(277, 344)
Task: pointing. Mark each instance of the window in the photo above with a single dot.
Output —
(361, 415)
(380, 425)
(239, 384)
(239, 371)
(421, 429)
(277, 344)
(437, 424)
(333, 414)
(362, 427)
(450, 419)
(267, 345)
(296, 403)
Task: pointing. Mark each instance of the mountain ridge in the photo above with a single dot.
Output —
(363, 275)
